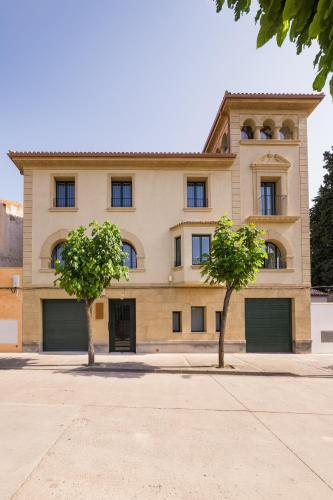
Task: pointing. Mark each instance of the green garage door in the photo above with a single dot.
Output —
(268, 325)
(64, 326)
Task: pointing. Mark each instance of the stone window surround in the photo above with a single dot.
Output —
(273, 168)
(120, 176)
(197, 176)
(61, 235)
(63, 176)
(276, 122)
(274, 236)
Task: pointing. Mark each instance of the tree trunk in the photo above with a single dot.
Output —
(91, 350)
(223, 324)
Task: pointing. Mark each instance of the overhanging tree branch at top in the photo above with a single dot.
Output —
(306, 21)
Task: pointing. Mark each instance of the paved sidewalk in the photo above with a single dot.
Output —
(123, 433)
(301, 365)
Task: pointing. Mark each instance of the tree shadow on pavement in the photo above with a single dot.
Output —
(84, 371)
(12, 363)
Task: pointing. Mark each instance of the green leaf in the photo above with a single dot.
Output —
(282, 33)
(291, 8)
(320, 80)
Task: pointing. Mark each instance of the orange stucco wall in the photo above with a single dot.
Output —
(10, 306)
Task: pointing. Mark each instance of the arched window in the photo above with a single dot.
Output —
(274, 257)
(56, 254)
(266, 132)
(246, 132)
(224, 144)
(287, 130)
(130, 259)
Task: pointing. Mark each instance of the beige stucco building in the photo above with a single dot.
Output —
(11, 234)
(253, 167)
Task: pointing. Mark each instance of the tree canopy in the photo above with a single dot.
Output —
(321, 224)
(235, 255)
(88, 265)
(305, 21)
(234, 259)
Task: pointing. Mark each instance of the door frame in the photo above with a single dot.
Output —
(133, 325)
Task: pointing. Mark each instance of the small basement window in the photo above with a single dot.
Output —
(176, 321)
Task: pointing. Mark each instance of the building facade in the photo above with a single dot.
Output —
(11, 237)
(253, 167)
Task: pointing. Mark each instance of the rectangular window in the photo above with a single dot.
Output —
(268, 198)
(200, 248)
(197, 319)
(218, 318)
(65, 194)
(196, 194)
(176, 321)
(178, 251)
(121, 194)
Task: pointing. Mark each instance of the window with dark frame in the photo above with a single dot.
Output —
(176, 321)
(200, 248)
(274, 258)
(65, 194)
(268, 198)
(178, 251)
(218, 319)
(56, 255)
(130, 260)
(196, 194)
(197, 319)
(121, 193)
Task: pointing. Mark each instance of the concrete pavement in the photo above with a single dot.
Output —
(69, 433)
(261, 364)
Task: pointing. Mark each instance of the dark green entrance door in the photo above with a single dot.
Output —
(268, 325)
(122, 325)
(64, 326)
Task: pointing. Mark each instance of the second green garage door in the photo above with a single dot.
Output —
(268, 325)
(64, 326)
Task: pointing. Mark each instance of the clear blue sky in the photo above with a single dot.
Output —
(132, 75)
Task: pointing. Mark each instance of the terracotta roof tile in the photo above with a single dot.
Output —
(17, 154)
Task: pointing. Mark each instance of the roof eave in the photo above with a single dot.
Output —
(229, 97)
(29, 159)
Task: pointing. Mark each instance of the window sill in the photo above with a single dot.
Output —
(121, 209)
(47, 270)
(269, 142)
(287, 270)
(63, 209)
(196, 266)
(197, 209)
(136, 270)
(178, 268)
(200, 333)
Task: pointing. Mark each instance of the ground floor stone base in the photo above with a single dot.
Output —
(154, 307)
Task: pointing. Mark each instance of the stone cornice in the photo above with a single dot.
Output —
(269, 142)
(105, 161)
(275, 219)
(194, 223)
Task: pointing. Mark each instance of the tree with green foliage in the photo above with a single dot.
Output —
(305, 21)
(321, 226)
(235, 258)
(88, 264)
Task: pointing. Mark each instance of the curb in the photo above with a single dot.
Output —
(189, 371)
